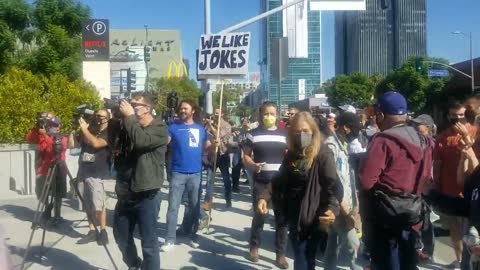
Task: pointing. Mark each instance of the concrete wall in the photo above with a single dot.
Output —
(18, 172)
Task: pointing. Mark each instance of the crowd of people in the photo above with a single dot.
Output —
(344, 185)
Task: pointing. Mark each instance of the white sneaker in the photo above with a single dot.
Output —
(167, 247)
(194, 244)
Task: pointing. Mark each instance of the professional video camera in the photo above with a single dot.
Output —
(114, 106)
(85, 111)
(42, 120)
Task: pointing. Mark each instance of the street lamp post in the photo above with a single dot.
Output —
(471, 58)
(146, 62)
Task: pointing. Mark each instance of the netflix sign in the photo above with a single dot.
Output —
(95, 40)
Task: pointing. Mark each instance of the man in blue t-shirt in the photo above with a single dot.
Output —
(188, 140)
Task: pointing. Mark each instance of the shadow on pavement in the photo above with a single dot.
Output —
(26, 214)
(54, 258)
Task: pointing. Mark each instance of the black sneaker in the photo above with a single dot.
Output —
(102, 238)
(90, 237)
(236, 189)
(229, 204)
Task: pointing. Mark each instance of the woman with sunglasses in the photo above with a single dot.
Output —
(304, 191)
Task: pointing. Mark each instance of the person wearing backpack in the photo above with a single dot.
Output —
(392, 178)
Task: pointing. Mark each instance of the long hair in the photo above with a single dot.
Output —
(197, 115)
(311, 152)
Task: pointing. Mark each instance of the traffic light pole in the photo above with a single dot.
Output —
(146, 62)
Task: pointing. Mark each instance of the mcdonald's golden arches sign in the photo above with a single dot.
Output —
(179, 69)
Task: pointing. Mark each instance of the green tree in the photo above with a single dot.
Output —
(230, 96)
(43, 37)
(184, 87)
(24, 94)
(356, 89)
(422, 92)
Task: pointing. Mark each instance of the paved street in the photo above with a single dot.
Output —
(224, 248)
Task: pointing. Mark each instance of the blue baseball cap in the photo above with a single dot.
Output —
(55, 122)
(392, 103)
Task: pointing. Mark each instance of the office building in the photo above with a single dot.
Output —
(381, 38)
(302, 27)
(127, 51)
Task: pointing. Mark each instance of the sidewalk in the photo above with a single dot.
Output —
(224, 248)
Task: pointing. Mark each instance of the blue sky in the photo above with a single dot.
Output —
(187, 16)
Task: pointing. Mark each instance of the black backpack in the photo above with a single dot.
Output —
(399, 211)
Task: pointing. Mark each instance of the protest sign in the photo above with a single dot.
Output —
(223, 55)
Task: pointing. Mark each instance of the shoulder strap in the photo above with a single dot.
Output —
(421, 169)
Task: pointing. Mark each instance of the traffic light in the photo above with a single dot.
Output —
(146, 53)
(131, 80)
(419, 64)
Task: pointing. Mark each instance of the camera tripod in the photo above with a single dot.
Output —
(42, 204)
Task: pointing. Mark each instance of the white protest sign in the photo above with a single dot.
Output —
(223, 55)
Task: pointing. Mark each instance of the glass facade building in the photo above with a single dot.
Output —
(304, 74)
(381, 38)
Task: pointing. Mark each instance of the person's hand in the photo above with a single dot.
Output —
(328, 218)
(262, 207)
(468, 153)
(83, 125)
(350, 220)
(257, 167)
(126, 108)
(461, 129)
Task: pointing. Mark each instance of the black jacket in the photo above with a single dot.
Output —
(301, 197)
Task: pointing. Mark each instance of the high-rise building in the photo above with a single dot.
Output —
(302, 27)
(381, 38)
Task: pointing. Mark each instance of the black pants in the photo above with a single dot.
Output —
(281, 225)
(237, 169)
(223, 162)
(392, 250)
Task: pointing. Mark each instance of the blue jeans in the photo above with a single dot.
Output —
(304, 250)
(141, 210)
(342, 245)
(178, 184)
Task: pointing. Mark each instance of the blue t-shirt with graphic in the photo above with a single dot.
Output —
(187, 143)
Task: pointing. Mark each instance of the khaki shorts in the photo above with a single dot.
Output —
(94, 194)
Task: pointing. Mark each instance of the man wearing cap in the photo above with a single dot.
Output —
(425, 125)
(392, 166)
(347, 108)
(46, 137)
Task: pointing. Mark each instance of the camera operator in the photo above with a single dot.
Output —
(93, 168)
(139, 163)
(51, 148)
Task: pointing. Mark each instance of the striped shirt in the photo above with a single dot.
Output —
(268, 146)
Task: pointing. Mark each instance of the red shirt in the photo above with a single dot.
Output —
(448, 151)
(46, 150)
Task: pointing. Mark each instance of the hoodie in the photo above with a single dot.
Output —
(393, 160)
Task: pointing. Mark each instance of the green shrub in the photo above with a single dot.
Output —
(23, 95)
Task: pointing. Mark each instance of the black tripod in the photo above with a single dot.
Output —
(42, 204)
